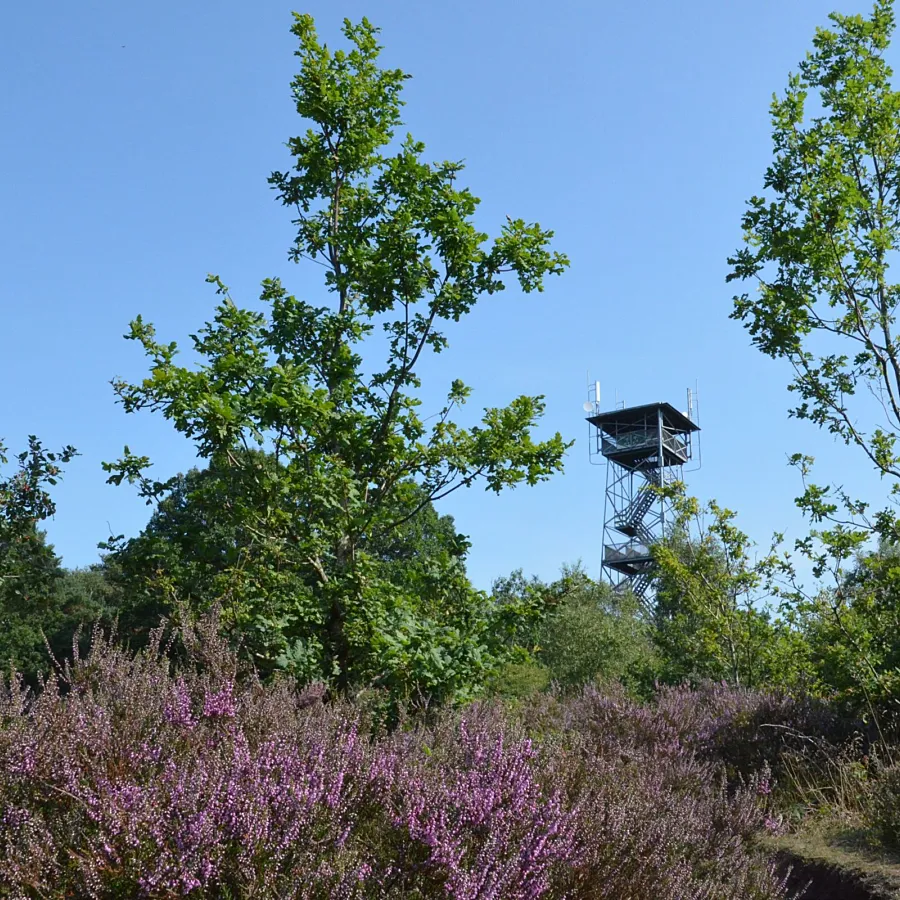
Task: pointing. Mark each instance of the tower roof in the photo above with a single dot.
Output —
(637, 415)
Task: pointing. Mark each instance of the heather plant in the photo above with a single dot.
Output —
(658, 821)
(128, 776)
(745, 729)
(134, 782)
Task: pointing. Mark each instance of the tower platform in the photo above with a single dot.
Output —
(633, 436)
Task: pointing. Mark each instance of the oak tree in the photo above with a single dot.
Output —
(343, 432)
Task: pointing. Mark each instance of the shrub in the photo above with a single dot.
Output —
(596, 634)
(885, 807)
(515, 680)
(745, 729)
(658, 821)
(126, 778)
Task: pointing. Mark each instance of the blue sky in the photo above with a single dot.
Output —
(136, 144)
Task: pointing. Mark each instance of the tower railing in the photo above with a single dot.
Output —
(637, 440)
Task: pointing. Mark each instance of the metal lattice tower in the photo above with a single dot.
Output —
(644, 447)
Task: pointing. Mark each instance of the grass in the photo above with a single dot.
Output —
(839, 859)
(827, 797)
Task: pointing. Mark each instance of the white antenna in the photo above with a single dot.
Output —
(693, 413)
(592, 405)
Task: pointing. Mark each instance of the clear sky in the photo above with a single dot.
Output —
(135, 147)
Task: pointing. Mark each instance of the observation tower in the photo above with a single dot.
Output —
(644, 447)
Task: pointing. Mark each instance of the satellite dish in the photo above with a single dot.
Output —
(588, 407)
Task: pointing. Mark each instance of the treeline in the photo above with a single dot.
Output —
(445, 641)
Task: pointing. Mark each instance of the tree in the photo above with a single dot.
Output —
(29, 569)
(711, 614)
(192, 549)
(343, 437)
(856, 640)
(850, 622)
(596, 634)
(570, 632)
(820, 244)
(408, 552)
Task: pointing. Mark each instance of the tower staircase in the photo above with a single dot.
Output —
(631, 522)
(640, 584)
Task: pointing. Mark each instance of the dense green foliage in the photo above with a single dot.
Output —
(596, 635)
(320, 465)
(850, 630)
(713, 618)
(33, 606)
(579, 632)
(192, 548)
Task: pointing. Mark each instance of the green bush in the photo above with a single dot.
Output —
(885, 811)
(520, 679)
(596, 634)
